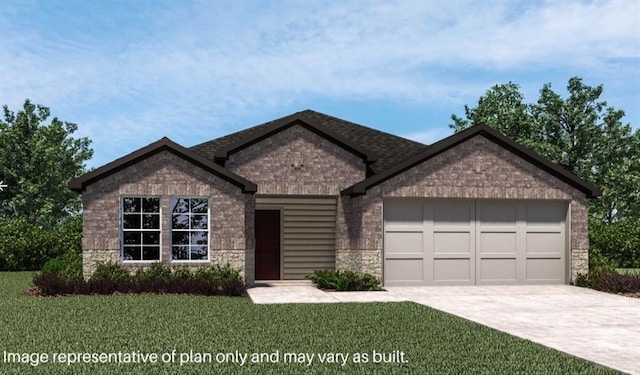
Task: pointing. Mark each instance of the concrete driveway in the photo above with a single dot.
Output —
(599, 327)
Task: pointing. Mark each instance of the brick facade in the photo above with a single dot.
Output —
(164, 175)
(297, 161)
(477, 169)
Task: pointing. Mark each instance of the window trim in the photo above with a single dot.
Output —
(208, 230)
(141, 230)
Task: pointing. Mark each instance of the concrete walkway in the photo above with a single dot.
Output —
(599, 327)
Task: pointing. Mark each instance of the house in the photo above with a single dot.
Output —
(310, 191)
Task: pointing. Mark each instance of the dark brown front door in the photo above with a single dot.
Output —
(267, 245)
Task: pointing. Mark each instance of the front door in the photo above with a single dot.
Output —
(267, 245)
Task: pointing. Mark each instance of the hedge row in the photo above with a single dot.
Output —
(610, 281)
(110, 278)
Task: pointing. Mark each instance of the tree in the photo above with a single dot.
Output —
(580, 132)
(37, 161)
(503, 109)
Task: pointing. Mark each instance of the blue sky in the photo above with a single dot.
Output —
(130, 72)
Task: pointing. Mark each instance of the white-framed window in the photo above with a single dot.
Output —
(141, 231)
(189, 228)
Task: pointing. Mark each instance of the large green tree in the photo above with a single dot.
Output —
(37, 161)
(580, 132)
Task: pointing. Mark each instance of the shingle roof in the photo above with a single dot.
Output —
(387, 148)
(79, 184)
(491, 134)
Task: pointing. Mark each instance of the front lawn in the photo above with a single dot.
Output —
(430, 341)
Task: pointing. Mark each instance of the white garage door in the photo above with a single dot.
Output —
(467, 242)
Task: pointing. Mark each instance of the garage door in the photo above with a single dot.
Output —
(467, 242)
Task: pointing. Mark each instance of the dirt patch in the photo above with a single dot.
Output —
(34, 291)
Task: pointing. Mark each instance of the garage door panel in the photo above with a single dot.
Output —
(404, 214)
(404, 242)
(452, 242)
(545, 243)
(546, 270)
(499, 269)
(497, 215)
(452, 270)
(466, 241)
(545, 214)
(451, 213)
(404, 270)
(498, 242)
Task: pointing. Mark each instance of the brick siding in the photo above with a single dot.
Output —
(297, 161)
(477, 169)
(164, 175)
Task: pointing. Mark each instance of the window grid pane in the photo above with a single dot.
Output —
(141, 229)
(189, 228)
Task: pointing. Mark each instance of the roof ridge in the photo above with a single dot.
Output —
(363, 126)
(388, 148)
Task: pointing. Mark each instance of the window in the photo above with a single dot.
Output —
(140, 229)
(189, 228)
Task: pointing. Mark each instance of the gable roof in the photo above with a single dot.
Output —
(491, 134)
(378, 149)
(165, 144)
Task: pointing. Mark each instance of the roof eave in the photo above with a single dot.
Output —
(367, 156)
(437, 148)
(79, 184)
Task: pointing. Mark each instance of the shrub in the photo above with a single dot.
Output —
(324, 279)
(217, 274)
(618, 243)
(54, 266)
(181, 273)
(73, 271)
(370, 282)
(111, 271)
(25, 246)
(344, 280)
(614, 282)
(158, 272)
(51, 284)
(68, 266)
(234, 287)
(110, 278)
(105, 286)
(610, 281)
(583, 280)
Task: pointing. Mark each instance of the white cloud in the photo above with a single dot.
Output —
(150, 66)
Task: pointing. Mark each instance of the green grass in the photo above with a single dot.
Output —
(433, 342)
(628, 271)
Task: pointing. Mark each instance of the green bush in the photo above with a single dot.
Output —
(157, 272)
(217, 274)
(73, 271)
(324, 279)
(111, 271)
(54, 267)
(25, 246)
(110, 278)
(344, 280)
(615, 245)
(181, 273)
(68, 266)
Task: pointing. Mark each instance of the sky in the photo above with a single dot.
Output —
(130, 72)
